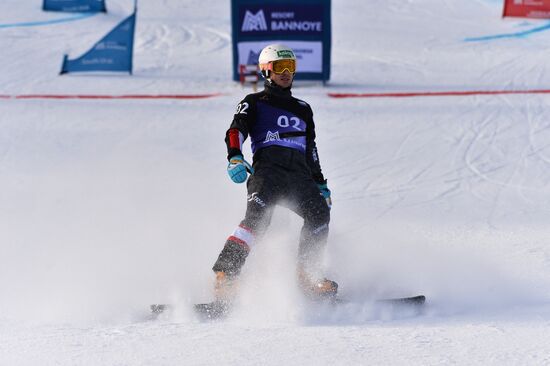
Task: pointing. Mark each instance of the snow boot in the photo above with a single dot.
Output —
(317, 288)
(225, 287)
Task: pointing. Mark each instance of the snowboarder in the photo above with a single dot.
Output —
(285, 171)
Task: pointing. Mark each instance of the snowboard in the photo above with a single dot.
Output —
(415, 303)
(417, 300)
(220, 309)
(206, 311)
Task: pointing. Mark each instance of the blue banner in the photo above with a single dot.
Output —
(303, 25)
(113, 52)
(80, 6)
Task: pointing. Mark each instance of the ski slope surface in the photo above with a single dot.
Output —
(107, 206)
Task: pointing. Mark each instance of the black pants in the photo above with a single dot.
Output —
(281, 177)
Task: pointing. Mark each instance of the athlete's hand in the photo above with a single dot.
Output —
(326, 193)
(237, 169)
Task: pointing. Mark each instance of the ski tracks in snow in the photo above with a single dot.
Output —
(489, 150)
(503, 153)
(194, 43)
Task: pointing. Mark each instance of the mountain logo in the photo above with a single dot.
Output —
(253, 57)
(254, 22)
(272, 136)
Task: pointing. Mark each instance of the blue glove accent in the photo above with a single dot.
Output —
(237, 169)
(326, 193)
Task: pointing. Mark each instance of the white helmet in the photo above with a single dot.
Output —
(274, 52)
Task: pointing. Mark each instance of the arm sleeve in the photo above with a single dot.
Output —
(238, 130)
(312, 156)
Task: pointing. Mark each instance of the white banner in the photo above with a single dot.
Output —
(309, 55)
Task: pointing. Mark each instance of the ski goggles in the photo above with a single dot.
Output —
(279, 66)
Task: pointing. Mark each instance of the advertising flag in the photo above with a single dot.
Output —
(80, 6)
(527, 8)
(113, 52)
(303, 25)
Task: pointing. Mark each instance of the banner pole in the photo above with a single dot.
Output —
(133, 39)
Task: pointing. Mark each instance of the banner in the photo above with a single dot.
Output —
(80, 6)
(113, 52)
(527, 8)
(303, 25)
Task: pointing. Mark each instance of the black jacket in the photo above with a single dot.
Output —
(275, 120)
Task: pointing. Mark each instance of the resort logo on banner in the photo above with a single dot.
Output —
(304, 19)
(254, 22)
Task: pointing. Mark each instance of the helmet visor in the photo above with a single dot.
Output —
(279, 66)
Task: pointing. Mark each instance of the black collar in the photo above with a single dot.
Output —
(276, 90)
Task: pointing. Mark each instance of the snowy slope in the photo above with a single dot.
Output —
(107, 206)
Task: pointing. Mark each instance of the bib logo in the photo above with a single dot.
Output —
(254, 22)
(272, 136)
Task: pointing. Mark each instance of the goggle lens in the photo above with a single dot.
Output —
(279, 66)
